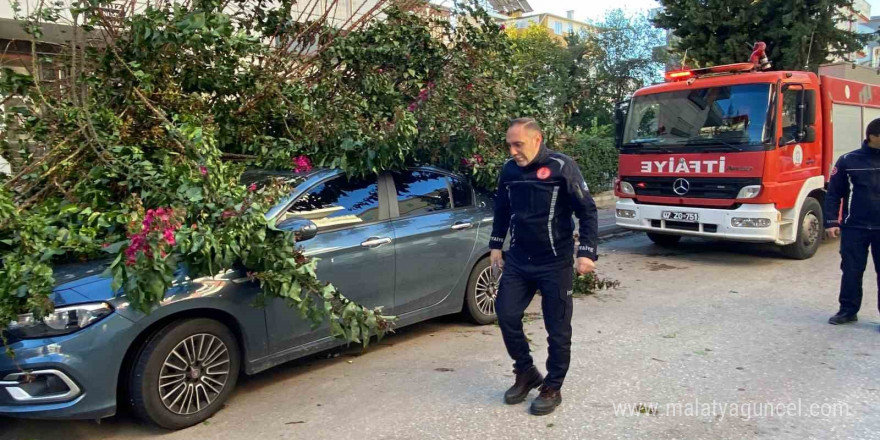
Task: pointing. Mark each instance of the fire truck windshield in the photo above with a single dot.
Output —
(716, 118)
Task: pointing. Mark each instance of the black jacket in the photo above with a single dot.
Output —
(855, 181)
(536, 203)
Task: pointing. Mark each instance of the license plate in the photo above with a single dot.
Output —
(689, 217)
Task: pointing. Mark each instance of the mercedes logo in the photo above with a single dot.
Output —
(681, 186)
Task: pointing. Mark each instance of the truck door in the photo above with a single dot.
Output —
(799, 150)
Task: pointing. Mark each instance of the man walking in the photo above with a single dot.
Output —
(855, 180)
(538, 191)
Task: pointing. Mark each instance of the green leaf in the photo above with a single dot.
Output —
(115, 247)
(194, 194)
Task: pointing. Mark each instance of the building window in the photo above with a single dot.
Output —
(522, 24)
(557, 27)
(570, 28)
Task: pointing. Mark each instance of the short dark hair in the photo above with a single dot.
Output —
(873, 129)
(529, 123)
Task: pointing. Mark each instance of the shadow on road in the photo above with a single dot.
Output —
(711, 251)
(125, 425)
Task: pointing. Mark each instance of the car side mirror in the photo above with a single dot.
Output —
(809, 134)
(620, 113)
(303, 228)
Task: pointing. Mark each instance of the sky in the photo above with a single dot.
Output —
(595, 10)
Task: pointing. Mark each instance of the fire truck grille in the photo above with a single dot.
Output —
(692, 187)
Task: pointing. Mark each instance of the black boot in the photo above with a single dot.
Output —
(546, 402)
(525, 382)
(842, 318)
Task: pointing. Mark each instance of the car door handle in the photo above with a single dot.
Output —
(376, 241)
(462, 225)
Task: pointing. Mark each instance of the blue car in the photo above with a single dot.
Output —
(414, 242)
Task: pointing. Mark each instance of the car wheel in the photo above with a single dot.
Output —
(665, 240)
(809, 234)
(482, 289)
(184, 373)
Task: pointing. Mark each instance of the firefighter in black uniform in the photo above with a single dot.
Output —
(855, 187)
(538, 191)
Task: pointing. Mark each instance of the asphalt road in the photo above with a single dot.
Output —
(710, 340)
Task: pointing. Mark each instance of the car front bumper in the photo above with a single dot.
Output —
(84, 367)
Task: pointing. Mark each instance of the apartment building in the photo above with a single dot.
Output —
(559, 26)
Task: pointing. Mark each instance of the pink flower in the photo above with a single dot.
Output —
(252, 187)
(137, 241)
(476, 159)
(164, 228)
(227, 214)
(148, 219)
(470, 86)
(503, 27)
(164, 214)
(168, 235)
(105, 245)
(412, 107)
(380, 70)
(302, 164)
(131, 255)
(203, 170)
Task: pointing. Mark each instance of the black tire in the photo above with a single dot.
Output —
(664, 240)
(146, 401)
(810, 231)
(472, 298)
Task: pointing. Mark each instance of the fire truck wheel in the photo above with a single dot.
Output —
(809, 234)
(664, 239)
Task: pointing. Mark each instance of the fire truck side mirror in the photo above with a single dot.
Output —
(620, 113)
(807, 116)
(810, 108)
(809, 134)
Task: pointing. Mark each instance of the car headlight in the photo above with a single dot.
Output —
(61, 321)
(749, 192)
(626, 213)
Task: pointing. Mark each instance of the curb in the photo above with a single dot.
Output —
(608, 230)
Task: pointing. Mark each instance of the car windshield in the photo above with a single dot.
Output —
(731, 117)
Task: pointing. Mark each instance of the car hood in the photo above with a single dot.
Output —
(82, 282)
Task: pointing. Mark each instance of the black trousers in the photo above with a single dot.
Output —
(854, 244)
(517, 287)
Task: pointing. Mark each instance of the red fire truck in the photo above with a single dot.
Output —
(733, 152)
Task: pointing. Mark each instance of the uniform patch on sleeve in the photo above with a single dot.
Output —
(833, 171)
